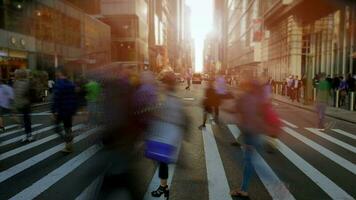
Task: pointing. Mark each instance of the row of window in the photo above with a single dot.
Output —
(42, 22)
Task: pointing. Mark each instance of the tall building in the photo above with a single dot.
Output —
(43, 34)
(243, 25)
(305, 38)
(128, 20)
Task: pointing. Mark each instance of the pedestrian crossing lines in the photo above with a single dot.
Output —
(217, 184)
(275, 187)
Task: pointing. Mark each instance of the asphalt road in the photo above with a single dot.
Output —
(308, 163)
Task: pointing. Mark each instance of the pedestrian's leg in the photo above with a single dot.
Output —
(68, 138)
(163, 188)
(205, 116)
(2, 126)
(27, 121)
(248, 168)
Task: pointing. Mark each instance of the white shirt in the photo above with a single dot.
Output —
(6, 95)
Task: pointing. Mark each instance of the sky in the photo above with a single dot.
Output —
(201, 22)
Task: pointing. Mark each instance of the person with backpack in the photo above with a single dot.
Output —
(22, 101)
(248, 108)
(6, 97)
(64, 107)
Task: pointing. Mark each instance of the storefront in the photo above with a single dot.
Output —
(10, 60)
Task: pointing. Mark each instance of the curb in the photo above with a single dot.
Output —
(312, 110)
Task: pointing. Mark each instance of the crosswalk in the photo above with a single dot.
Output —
(17, 160)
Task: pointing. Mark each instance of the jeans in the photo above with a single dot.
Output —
(251, 141)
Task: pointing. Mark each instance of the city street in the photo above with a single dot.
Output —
(308, 163)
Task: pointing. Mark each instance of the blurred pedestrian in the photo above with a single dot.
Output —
(22, 101)
(296, 89)
(221, 93)
(188, 77)
(166, 133)
(6, 98)
(322, 100)
(343, 89)
(249, 108)
(64, 107)
(93, 91)
(210, 102)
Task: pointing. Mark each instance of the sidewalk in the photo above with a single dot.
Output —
(337, 113)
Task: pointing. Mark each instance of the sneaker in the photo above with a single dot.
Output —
(28, 138)
(68, 148)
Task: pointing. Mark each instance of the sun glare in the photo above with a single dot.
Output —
(201, 22)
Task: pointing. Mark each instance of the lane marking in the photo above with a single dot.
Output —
(19, 138)
(333, 140)
(234, 130)
(270, 180)
(11, 126)
(289, 124)
(90, 192)
(53, 177)
(17, 131)
(188, 98)
(352, 136)
(34, 144)
(155, 182)
(322, 150)
(8, 173)
(329, 187)
(217, 181)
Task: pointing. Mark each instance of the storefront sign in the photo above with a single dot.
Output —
(17, 54)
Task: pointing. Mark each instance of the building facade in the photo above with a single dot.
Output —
(43, 34)
(305, 38)
(302, 38)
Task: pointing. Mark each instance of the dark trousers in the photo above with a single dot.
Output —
(163, 171)
(26, 112)
(67, 124)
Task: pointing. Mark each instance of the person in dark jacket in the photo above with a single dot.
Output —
(210, 102)
(65, 104)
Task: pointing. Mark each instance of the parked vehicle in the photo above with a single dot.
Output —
(197, 78)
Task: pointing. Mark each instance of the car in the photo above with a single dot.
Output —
(197, 78)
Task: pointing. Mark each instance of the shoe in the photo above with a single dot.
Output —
(68, 148)
(201, 126)
(28, 138)
(161, 190)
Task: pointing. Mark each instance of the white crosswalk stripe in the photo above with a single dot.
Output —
(17, 131)
(333, 140)
(322, 150)
(19, 138)
(275, 187)
(34, 144)
(8, 173)
(334, 191)
(50, 179)
(345, 133)
(217, 182)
